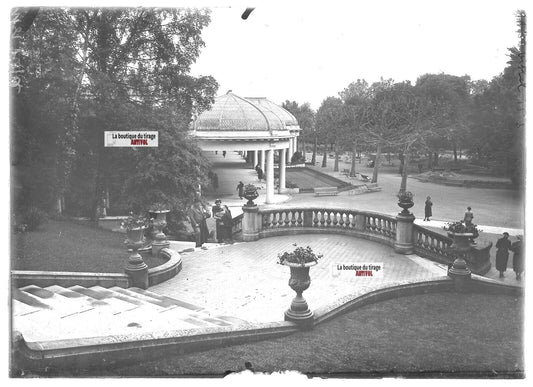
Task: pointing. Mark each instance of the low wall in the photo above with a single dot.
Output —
(156, 275)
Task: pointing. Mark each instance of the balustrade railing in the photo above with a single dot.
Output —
(432, 244)
(237, 224)
(335, 219)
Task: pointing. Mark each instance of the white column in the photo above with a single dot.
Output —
(262, 161)
(295, 143)
(256, 161)
(291, 151)
(270, 176)
(282, 165)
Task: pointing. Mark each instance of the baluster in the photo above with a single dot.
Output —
(287, 220)
(280, 219)
(373, 226)
(299, 220)
(315, 218)
(426, 243)
(293, 218)
(322, 220)
(348, 222)
(341, 219)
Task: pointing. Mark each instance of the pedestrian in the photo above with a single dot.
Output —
(224, 222)
(257, 167)
(259, 173)
(427, 209)
(198, 213)
(240, 189)
(224, 154)
(502, 253)
(518, 259)
(469, 215)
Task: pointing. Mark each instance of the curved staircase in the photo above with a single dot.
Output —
(58, 313)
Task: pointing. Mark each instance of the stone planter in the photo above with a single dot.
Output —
(459, 270)
(251, 195)
(406, 205)
(160, 239)
(299, 311)
(136, 268)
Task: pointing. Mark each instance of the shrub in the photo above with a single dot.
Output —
(32, 218)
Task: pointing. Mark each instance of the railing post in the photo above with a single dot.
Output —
(308, 218)
(250, 223)
(360, 222)
(404, 243)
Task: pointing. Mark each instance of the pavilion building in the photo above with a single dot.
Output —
(255, 126)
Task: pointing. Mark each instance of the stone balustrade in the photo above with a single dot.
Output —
(399, 232)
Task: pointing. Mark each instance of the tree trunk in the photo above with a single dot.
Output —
(313, 159)
(354, 153)
(325, 158)
(401, 156)
(430, 162)
(376, 164)
(455, 153)
(388, 157)
(336, 165)
(436, 158)
(403, 185)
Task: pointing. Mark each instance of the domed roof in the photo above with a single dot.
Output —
(233, 113)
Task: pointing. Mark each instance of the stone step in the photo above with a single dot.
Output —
(166, 300)
(61, 305)
(105, 294)
(112, 305)
(145, 297)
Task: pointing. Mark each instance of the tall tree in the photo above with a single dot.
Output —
(116, 69)
(332, 126)
(306, 120)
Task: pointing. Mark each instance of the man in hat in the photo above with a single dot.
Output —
(502, 253)
(469, 216)
(198, 214)
(224, 222)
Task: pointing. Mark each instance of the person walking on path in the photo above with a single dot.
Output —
(198, 213)
(240, 189)
(469, 216)
(259, 173)
(224, 154)
(502, 253)
(518, 262)
(427, 209)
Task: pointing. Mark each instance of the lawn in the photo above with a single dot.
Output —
(60, 245)
(442, 335)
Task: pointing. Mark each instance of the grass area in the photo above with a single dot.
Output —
(441, 334)
(60, 245)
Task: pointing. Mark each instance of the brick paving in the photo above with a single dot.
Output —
(244, 280)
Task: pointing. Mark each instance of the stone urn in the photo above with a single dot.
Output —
(459, 270)
(299, 311)
(406, 205)
(250, 193)
(136, 268)
(159, 223)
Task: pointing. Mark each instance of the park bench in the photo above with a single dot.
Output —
(346, 172)
(326, 191)
(438, 169)
(373, 187)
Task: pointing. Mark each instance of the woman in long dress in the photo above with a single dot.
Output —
(502, 253)
(427, 209)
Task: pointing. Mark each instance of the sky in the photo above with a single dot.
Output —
(308, 51)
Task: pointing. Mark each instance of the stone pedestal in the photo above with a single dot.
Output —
(360, 222)
(404, 243)
(160, 239)
(137, 270)
(299, 311)
(250, 223)
(461, 275)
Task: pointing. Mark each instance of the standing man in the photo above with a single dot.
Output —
(469, 215)
(198, 213)
(224, 222)
(502, 253)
